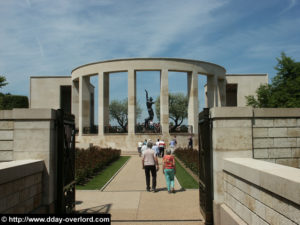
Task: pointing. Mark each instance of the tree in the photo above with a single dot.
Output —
(8, 101)
(118, 110)
(284, 91)
(178, 104)
(2, 81)
(263, 97)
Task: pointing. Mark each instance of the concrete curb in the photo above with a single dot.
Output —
(177, 182)
(107, 183)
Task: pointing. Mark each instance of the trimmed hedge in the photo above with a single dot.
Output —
(190, 158)
(92, 160)
(8, 101)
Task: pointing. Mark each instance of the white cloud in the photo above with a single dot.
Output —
(169, 22)
(41, 37)
(292, 4)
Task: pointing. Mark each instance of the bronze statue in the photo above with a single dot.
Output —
(149, 103)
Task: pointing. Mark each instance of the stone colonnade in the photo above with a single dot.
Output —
(216, 88)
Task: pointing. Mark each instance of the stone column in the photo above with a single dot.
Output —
(75, 101)
(131, 101)
(222, 92)
(103, 101)
(212, 91)
(216, 103)
(84, 103)
(164, 102)
(193, 110)
(106, 99)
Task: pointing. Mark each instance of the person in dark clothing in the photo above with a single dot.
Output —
(190, 144)
(150, 164)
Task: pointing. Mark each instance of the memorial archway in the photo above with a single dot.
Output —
(216, 94)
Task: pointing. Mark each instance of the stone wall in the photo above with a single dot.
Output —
(266, 134)
(231, 137)
(45, 91)
(260, 192)
(31, 134)
(276, 136)
(6, 138)
(128, 143)
(21, 186)
(247, 84)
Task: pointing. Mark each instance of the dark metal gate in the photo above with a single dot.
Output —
(65, 162)
(205, 167)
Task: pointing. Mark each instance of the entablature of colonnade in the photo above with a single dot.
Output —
(145, 64)
(215, 79)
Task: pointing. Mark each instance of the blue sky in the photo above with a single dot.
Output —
(46, 38)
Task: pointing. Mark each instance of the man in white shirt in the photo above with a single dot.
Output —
(161, 146)
(144, 147)
(140, 144)
(157, 142)
(150, 164)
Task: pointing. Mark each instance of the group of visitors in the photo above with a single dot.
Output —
(159, 146)
(150, 154)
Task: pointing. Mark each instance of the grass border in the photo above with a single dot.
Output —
(105, 175)
(195, 176)
(184, 178)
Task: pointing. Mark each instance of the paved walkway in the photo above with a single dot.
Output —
(126, 199)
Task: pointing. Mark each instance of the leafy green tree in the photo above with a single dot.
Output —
(263, 97)
(178, 104)
(8, 102)
(2, 81)
(284, 92)
(118, 110)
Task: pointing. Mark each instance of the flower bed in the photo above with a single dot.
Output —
(92, 160)
(190, 158)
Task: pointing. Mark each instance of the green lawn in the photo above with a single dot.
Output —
(185, 179)
(101, 179)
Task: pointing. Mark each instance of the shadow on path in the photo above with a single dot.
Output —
(128, 202)
(105, 209)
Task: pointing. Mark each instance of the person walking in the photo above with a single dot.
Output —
(173, 144)
(150, 164)
(144, 146)
(157, 142)
(169, 170)
(156, 149)
(190, 142)
(145, 142)
(161, 145)
(140, 144)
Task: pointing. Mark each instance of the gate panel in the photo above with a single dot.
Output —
(205, 166)
(65, 162)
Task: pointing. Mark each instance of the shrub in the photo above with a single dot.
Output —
(189, 157)
(92, 160)
(8, 101)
